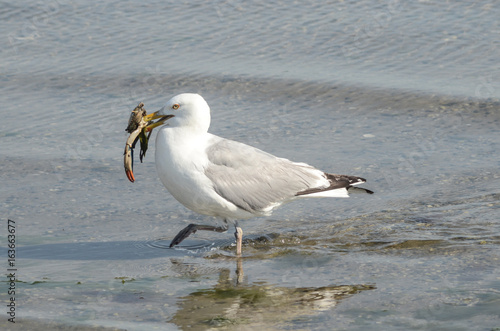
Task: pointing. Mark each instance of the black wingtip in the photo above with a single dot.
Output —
(355, 188)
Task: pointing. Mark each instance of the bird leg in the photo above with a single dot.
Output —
(192, 228)
(239, 238)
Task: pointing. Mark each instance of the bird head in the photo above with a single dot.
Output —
(189, 110)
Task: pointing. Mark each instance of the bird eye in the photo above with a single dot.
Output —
(176, 106)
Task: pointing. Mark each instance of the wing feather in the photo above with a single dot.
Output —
(255, 180)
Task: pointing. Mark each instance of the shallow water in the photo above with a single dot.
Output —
(405, 95)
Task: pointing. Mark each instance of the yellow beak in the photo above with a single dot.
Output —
(154, 116)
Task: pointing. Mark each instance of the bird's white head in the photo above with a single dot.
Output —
(189, 110)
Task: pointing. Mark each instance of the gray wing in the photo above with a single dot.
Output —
(254, 180)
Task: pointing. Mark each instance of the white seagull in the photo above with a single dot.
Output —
(227, 179)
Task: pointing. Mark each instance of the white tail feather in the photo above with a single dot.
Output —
(337, 193)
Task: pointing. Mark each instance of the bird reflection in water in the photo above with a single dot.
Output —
(233, 301)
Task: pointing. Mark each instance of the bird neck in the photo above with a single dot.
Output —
(193, 124)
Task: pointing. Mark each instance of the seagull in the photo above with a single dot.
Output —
(227, 179)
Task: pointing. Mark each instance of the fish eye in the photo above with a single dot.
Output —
(176, 106)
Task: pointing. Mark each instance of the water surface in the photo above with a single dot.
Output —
(403, 94)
